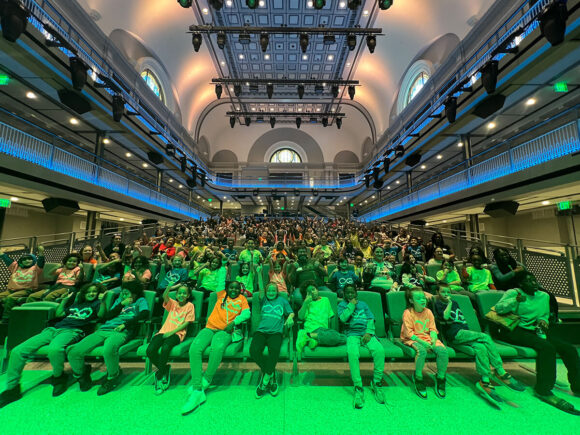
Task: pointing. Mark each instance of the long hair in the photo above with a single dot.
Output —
(504, 267)
(81, 295)
(72, 254)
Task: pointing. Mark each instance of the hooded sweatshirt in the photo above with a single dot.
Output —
(23, 278)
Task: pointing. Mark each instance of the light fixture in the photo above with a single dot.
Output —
(221, 40)
(451, 109)
(217, 4)
(423, 167)
(78, 73)
(330, 57)
(530, 102)
(183, 164)
(298, 122)
(304, 42)
(459, 144)
(319, 4)
(205, 11)
(272, 122)
(325, 122)
(171, 180)
(118, 106)
(351, 92)
(338, 123)
(180, 186)
(489, 75)
(329, 39)
(232, 121)
(342, 5)
(335, 91)
(545, 202)
(491, 125)
(351, 41)
(552, 23)
(300, 91)
(13, 20)
(31, 95)
(270, 90)
(241, 56)
(266, 57)
(252, 4)
(237, 90)
(247, 121)
(196, 40)
(106, 140)
(371, 43)
(264, 41)
(218, 91)
(145, 165)
(386, 164)
(385, 4)
(74, 121)
(439, 156)
(128, 155)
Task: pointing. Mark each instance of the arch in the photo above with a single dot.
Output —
(367, 149)
(203, 148)
(267, 142)
(346, 157)
(285, 155)
(224, 156)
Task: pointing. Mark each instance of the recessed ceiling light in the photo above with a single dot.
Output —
(365, 13)
(309, 4)
(241, 56)
(304, 57)
(197, 196)
(347, 64)
(459, 144)
(426, 224)
(31, 95)
(267, 56)
(366, 200)
(205, 11)
(229, 3)
(439, 156)
(145, 165)
(224, 197)
(373, 196)
(330, 57)
(128, 154)
(300, 109)
(14, 199)
(545, 202)
(106, 140)
(389, 187)
(74, 121)
(180, 186)
(223, 62)
(444, 221)
(342, 5)
(397, 181)
(271, 109)
(530, 102)
(262, 3)
(121, 219)
(423, 167)
(171, 180)
(491, 125)
(253, 109)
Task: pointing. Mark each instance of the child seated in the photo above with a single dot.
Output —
(273, 308)
(456, 331)
(341, 277)
(277, 275)
(449, 276)
(316, 313)
(360, 331)
(181, 313)
(68, 278)
(70, 329)
(230, 310)
(174, 272)
(419, 332)
(478, 278)
(24, 276)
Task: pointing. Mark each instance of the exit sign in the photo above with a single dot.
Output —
(4, 79)
(4, 203)
(561, 87)
(565, 205)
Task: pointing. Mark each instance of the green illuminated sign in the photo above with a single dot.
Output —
(561, 87)
(351, 204)
(259, 178)
(565, 205)
(281, 208)
(4, 203)
(4, 79)
(209, 200)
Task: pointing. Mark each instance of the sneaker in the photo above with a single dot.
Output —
(419, 387)
(488, 391)
(194, 401)
(301, 342)
(85, 381)
(359, 398)
(158, 385)
(166, 379)
(440, 387)
(109, 385)
(205, 384)
(377, 389)
(509, 381)
(261, 389)
(9, 396)
(273, 385)
(59, 385)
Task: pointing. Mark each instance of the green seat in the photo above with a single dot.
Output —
(432, 270)
(48, 272)
(488, 299)
(88, 271)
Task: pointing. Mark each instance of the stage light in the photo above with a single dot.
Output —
(218, 91)
(13, 20)
(118, 104)
(325, 122)
(351, 41)
(185, 3)
(272, 122)
(232, 121)
(338, 123)
(319, 4)
(183, 164)
(329, 39)
(221, 40)
(300, 91)
(264, 41)
(351, 92)
(247, 121)
(252, 4)
(304, 42)
(386, 164)
(196, 41)
(270, 90)
(378, 183)
(385, 4)
(489, 75)
(170, 150)
(371, 43)
(552, 23)
(367, 181)
(237, 90)
(78, 73)
(451, 109)
(335, 91)
(399, 151)
(298, 122)
(353, 4)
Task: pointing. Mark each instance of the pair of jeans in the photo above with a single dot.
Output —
(441, 358)
(159, 349)
(219, 341)
(485, 351)
(353, 345)
(267, 363)
(111, 341)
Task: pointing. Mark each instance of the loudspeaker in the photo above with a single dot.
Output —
(154, 157)
(413, 159)
(419, 222)
(501, 208)
(75, 100)
(149, 221)
(489, 106)
(60, 206)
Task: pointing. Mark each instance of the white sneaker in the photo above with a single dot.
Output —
(204, 383)
(195, 400)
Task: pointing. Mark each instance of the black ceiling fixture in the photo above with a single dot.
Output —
(221, 40)
(378, 183)
(216, 4)
(118, 106)
(300, 91)
(232, 121)
(272, 121)
(154, 157)
(185, 3)
(351, 92)
(264, 41)
(338, 123)
(78, 73)
(399, 151)
(183, 164)
(196, 41)
(247, 121)
(191, 182)
(351, 41)
(13, 20)
(367, 179)
(298, 122)
(218, 91)
(385, 4)
(270, 90)
(237, 90)
(325, 122)
(353, 4)
(319, 4)
(170, 150)
(335, 91)
(552, 23)
(248, 30)
(451, 109)
(304, 42)
(413, 159)
(386, 164)
(244, 38)
(371, 43)
(489, 75)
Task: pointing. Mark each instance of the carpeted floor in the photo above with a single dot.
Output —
(319, 402)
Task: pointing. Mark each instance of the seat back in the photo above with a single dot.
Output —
(265, 273)
(234, 270)
(432, 269)
(150, 298)
(373, 300)
(47, 272)
(468, 311)
(333, 299)
(27, 321)
(486, 300)
(146, 251)
(88, 271)
(396, 305)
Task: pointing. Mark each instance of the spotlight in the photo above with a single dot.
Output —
(325, 122)
(385, 4)
(386, 164)
(329, 39)
(244, 38)
(371, 43)
(298, 122)
(351, 41)
(118, 104)
(300, 91)
(314, 192)
(191, 182)
(237, 90)
(351, 91)
(451, 109)
(170, 150)
(216, 4)
(319, 4)
(338, 123)
(247, 121)
(272, 122)
(367, 181)
(335, 91)
(252, 4)
(489, 76)
(13, 20)
(264, 40)
(399, 151)
(270, 90)
(78, 73)
(218, 91)
(552, 23)
(353, 4)
(196, 41)
(202, 179)
(183, 164)
(221, 40)
(232, 121)
(378, 183)
(185, 3)
(256, 192)
(304, 42)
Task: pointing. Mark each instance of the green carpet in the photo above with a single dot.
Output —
(319, 403)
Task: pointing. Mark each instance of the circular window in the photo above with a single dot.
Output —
(417, 85)
(285, 155)
(153, 83)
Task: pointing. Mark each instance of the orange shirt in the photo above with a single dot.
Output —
(177, 316)
(222, 315)
(419, 324)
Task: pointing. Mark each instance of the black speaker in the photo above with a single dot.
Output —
(149, 221)
(154, 157)
(413, 159)
(60, 206)
(419, 222)
(489, 106)
(501, 208)
(75, 100)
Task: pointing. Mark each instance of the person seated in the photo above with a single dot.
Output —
(456, 331)
(379, 273)
(68, 279)
(366, 249)
(410, 277)
(116, 245)
(350, 252)
(359, 266)
(420, 332)
(438, 257)
(477, 277)
(402, 238)
(211, 276)
(76, 317)
(23, 280)
(360, 332)
(305, 270)
(88, 255)
(533, 330)
(449, 276)
(324, 248)
(438, 242)
(230, 310)
(175, 272)
(506, 271)
(316, 313)
(251, 254)
(139, 270)
(277, 275)
(341, 276)
(229, 251)
(415, 249)
(109, 274)
(391, 249)
(122, 323)
(168, 248)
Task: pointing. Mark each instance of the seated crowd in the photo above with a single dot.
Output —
(283, 272)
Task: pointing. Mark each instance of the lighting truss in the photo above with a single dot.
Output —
(208, 28)
(256, 81)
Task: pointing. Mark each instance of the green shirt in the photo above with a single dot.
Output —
(318, 315)
(452, 276)
(479, 279)
(533, 309)
(246, 256)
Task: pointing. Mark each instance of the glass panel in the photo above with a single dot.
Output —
(153, 83)
(285, 155)
(417, 85)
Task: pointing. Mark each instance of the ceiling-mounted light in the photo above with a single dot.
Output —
(264, 41)
(329, 39)
(351, 41)
(351, 92)
(300, 91)
(553, 23)
(489, 75)
(221, 40)
(244, 38)
(318, 89)
(185, 3)
(232, 121)
(451, 109)
(385, 4)
(386, 164)
(13, 20)
(399, 151)
(371, 43)
(270, 90)
(252, 4)
(272, 122)
(218, 90)
(237, 89)
(78, 73)
(196, 40)
(338, 123)
(319, 4)
(353, 4)
(325, 122)
(304, 42)
(247, 121)
(335, 91)
(183, 164)
(298, 122)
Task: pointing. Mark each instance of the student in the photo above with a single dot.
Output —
(415, 249)
(506, 271)
(139, 270)
(533, 307)
(108, 274)
(122, 323)
(230, 252)
(181, 313)
(342, 276)
(247, 278)
(278, 276)
(23, 280)
(250, 254)
(456, 331)
(212, 276)
(411, 278)
(419, 332)
(360, 331)
(230, 310)
(316, 313)
(478, 278)
(76, 319)
(68, 278)
(174, 272)
(449, 276)
(273, 309)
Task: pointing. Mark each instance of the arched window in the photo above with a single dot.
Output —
(153, 83)
(285, 155)
(417, 85)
